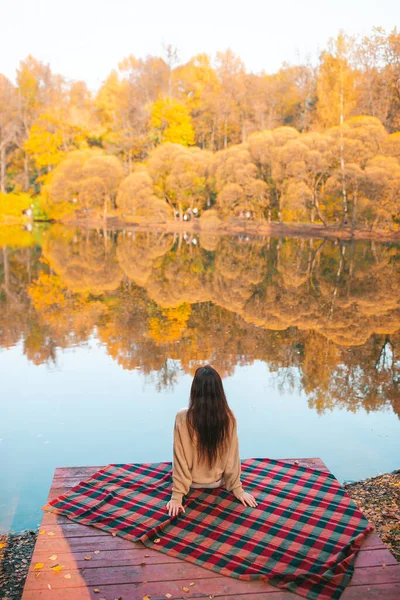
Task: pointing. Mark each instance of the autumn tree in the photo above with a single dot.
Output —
(335, 84)
(36, 91)
(377, 57)
(171, 122)
(180, 176)
(9, 125)
(196, 84)
(238, 189)
(87, 178)
(136, 198)
(382, 188)
(264, 149)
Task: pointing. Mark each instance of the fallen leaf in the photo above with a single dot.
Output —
(67, 576)
(97, 551)
(53, 557)
(146, 555)
(191, 583)
(50, 533)
(113, 534)
(42, 531)
(146, 597)
(57, 568)
(38, 574)
(38, 566)
(185, 589)
(157, 541)
(2, 545)
(87, 557)
(49, 586)
(211, 597)
(96, 591)
(168, 595)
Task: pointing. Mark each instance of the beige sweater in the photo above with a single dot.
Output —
(189, 472)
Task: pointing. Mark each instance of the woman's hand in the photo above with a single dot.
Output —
(173, 507)
(247, 499)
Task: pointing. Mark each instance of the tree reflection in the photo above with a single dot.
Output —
(323, 315)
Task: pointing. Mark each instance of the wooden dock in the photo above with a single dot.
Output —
(96, 565)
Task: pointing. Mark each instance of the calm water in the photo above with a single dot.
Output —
(100, 337)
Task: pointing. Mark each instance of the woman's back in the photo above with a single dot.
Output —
(226, 466)
(206, 445)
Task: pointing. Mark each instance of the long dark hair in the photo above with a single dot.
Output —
(209, 416)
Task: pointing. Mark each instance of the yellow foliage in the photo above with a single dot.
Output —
(44, 146)
(171, 122)
(12, 205)
(335, 86)
(170, 325)
(15, 236)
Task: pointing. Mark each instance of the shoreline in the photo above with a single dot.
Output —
(304, 230)
(378, 498)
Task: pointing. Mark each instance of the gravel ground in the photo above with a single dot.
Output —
(16, 551)
(377, 497)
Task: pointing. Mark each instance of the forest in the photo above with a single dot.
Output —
(208, 140)
(323, 315)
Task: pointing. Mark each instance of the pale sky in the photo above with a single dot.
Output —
(85, 39)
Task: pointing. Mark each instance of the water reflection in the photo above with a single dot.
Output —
(324, 315)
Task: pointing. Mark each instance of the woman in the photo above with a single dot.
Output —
(206, 446)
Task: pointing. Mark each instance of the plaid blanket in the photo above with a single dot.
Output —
(303, 536)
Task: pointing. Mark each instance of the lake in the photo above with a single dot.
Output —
(100, 336)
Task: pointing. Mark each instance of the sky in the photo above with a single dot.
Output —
(85, 39)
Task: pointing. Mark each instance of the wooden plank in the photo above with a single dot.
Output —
(155, 592)
(76, 471)
(106, 558)
(381, 574)
(175, 571)
(136, 557)
(375, 558)
(129, 569)
(312, 462)
(370, 592)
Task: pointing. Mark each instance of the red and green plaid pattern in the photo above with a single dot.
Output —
(303, 536)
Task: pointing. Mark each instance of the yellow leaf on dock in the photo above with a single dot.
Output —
(38, 566)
